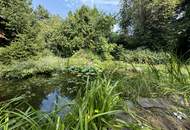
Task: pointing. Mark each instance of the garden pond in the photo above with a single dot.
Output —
(44, 91)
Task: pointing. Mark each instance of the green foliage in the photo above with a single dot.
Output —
(86, 54)
(86, 28)
(146, 57)
(86, 36)
(119, 39)
(156, 81)
(21, 30)
(48, 25)
(183, 30)
(32, 67)
(41, 13)
(151, 22)
(48, 65)
(24, 47)
(15, 118)
(96, 109)
(81, 72)
(18, 15)
(118, 52)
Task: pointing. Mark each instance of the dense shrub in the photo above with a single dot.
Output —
(146, 56)
(31, 67)
(118, 52)
(46, 66)
(23, 48)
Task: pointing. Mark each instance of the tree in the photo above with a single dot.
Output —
(20, 28)
(183, 29)
(3, 39)
(41, 13)
(18, 14)
(150, 21)
(24, 47)
(86, 28)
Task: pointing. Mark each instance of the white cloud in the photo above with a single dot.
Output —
(113, 2)
(103, 2)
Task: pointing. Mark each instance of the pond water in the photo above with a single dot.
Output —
(55, 100)
(44, 93)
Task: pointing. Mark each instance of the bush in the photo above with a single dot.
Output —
(87, 57)
(45, 66)
(24, 47)
(146, 57)
(25, 69)
(118, 52)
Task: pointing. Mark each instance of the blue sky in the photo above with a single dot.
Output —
(62, 7)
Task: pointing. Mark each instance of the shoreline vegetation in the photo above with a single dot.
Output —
(89, 77)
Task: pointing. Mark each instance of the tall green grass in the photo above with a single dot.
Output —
(96, 106)
(14, 116)
(96, 109)
(93, 109)
(172, 78)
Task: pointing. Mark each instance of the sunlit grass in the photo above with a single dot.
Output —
(96, 109)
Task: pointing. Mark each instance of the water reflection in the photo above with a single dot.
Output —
(49, 102)
(54, 101)
(41, 92)
(33, 89)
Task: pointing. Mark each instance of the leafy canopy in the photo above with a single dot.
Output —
(86, 28)
(150, 22)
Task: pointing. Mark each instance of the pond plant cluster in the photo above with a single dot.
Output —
(89, 77)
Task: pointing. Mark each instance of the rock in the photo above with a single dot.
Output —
(156, 113)
(153, 103)
(187, 124)
(125, 117)
(165, 122)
